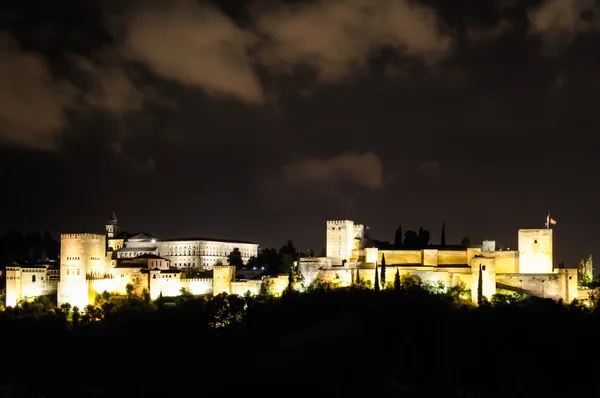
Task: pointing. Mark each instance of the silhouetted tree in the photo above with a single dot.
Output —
(288, 255)
(34, 246)
(443, 242)
(129, 288)
(323, 253)
(270, 260)
(75, 317)
(291, 287)
(383, 271)
(411, 240)
(376, 283)
(398, 238)
(424, 237)
(235, 258)
(358, 276)
(465, 241)
(480, 287)
(397, 281)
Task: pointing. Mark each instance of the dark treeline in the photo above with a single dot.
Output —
(405, 342)
(28, 248)
(275, 261)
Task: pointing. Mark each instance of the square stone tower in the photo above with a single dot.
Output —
(80, 255)
(342, 238)
(535, 251)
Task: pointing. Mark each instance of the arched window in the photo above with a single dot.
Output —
(33, 278)
(154, 276)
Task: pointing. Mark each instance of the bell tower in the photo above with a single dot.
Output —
(113, 241)
(112, 227)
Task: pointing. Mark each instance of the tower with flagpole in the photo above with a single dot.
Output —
(549, 221)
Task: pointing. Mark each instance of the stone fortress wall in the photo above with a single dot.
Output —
(87, 269)
(529, 269)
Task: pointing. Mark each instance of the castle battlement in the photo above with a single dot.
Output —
(196, 280)
(82, 235)
(338, 222)
(34, 269)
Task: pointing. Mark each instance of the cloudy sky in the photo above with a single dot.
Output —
(261, 120)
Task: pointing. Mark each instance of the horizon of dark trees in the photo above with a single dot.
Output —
(414, 240)
(30, 248)
(405, 341)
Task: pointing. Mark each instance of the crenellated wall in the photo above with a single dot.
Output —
(343, 239)
(197, 285)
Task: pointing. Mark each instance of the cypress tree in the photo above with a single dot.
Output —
(291, 281)
(376, 279)
(383, 271)
(358, 276)
(480, 287)
(397, 281)
(398, 238)
(443, 234)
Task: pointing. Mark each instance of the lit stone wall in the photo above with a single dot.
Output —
(27, 283)
(559, 285)
(242, 287)
(452, 257)
(507, 262)
(535, 251)
(448, 276)
(399, 257)
(430, 257)
(198, 285)
(35, 282)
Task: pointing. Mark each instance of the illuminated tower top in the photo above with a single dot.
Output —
(112, 227)
(535, 251)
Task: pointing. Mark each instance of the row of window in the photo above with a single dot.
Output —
(72, 271)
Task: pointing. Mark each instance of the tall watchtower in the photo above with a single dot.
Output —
(535, 251)
(343, 237)
(112, 227)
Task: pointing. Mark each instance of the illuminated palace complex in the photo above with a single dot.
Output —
(528, 270)
(93, 263)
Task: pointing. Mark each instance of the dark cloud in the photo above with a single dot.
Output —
(337, 38)
(215, 117)
(195, 45)
(32, 101)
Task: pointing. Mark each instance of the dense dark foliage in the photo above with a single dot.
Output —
(319, 343)
(27, 248)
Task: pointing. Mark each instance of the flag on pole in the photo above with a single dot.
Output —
(549, 220)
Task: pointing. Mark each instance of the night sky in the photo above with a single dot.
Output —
(260, 121)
